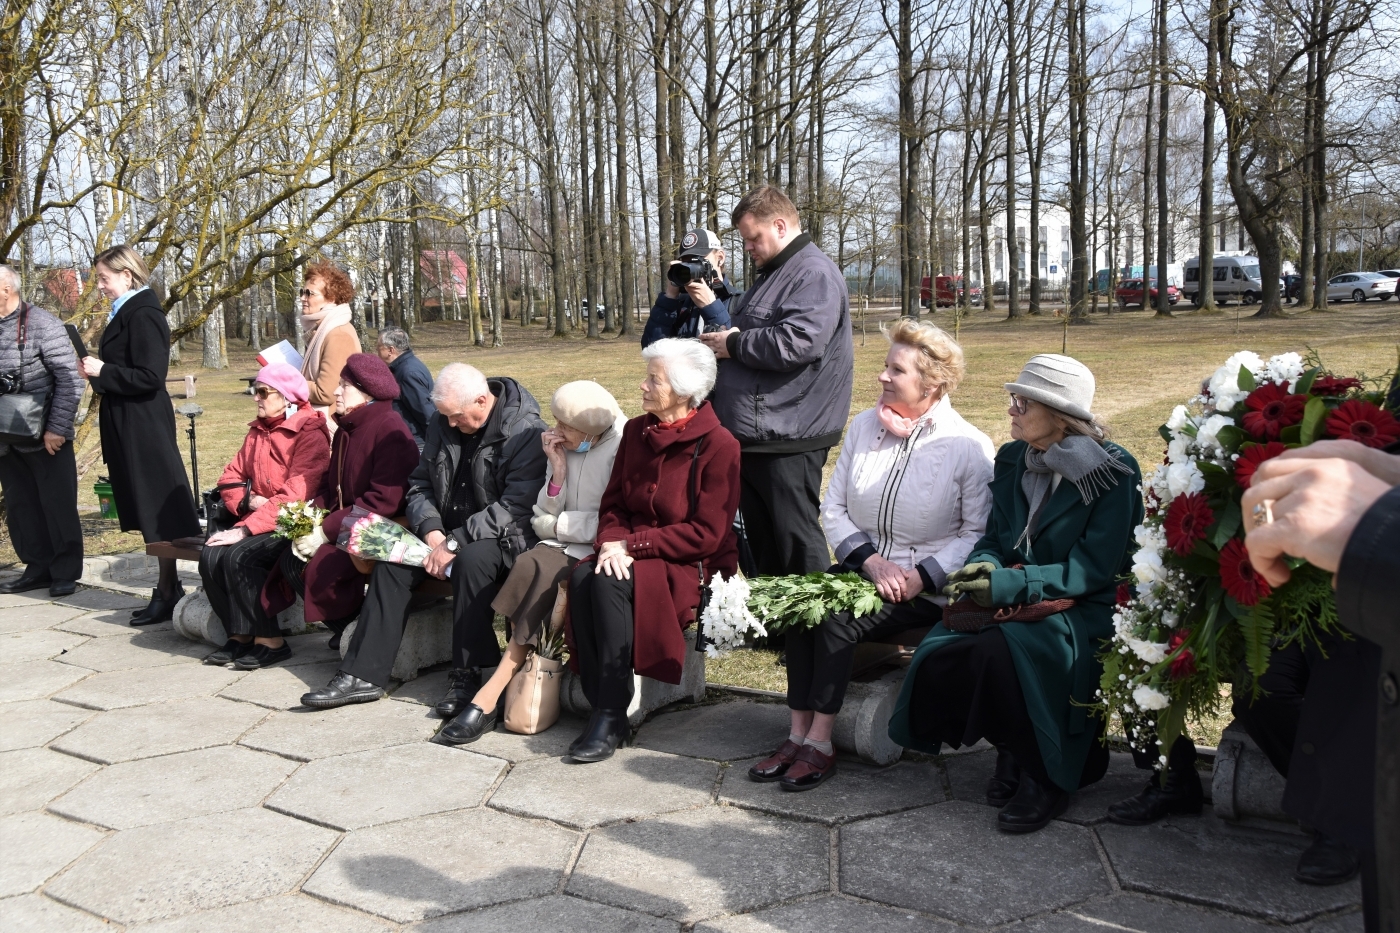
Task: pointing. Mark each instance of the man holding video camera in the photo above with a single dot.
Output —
(697, 293)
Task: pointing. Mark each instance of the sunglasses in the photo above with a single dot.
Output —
(306, 293)
(262, 392)
(1019, 404)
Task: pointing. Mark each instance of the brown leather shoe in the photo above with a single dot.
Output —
(776, 764)
(810, 768)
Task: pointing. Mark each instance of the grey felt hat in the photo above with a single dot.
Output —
(1061, 382)
(585, 406)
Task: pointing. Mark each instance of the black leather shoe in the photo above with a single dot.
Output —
(343, 690)
(1032, 808)
(63, 588)
(1179, 795)
(27, 582)
(263, 656)
(159, 609)
(775, 765)
(462, 685)
(1002, 785)
(1326, 861)
(232, 650)
(468, 726)
(607, 729)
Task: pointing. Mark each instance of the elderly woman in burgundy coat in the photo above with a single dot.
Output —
(371, 457)
(665, 526)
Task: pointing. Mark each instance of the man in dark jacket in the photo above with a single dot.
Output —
(784, 387)
(701, 306)
(471, 499)
(415, 402)
(40, 479)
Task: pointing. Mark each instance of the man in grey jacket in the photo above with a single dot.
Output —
(784, 387)
(40, 479)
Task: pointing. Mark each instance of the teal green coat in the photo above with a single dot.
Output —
(1079, 552)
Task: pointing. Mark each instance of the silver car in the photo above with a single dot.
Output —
(1360, 286)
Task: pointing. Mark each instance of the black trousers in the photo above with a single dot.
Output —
(819, 659)
(41, 503)
(780, 496)
(600, 610)
(477, 574)
(233, 577)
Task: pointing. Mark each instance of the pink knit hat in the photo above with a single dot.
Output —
(287, 380)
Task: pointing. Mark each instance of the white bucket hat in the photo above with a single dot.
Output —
(1061, 382)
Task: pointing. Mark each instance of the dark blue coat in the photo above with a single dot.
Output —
(415, 401)
(678, 317)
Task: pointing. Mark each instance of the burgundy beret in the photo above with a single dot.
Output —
(372, 376)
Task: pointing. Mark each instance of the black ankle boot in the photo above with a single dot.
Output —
(1326, 861)
(462, 685)
(1002, 785)
(607, 729)
(1178, 792)
(160, 608)
(1034, 806)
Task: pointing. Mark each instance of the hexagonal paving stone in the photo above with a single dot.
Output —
(547, 915)
(827, 915)
(553, 742)
(31, 723)
(34, 913)
(314, 734)
(289, 914)
(1138, 914)
(425, 689)
(1202, 859)
(1345, 923)
(139, 649)
(702, 863)
(172, 869)
(968, 774)
(34, 680)
(16, 647)
(435, 865)
(722, 731)
(120, 689)
(160, 728)
(281, 687)
(349, 791)
(952, 861)
(35, 617)
(856, 791)
(174, 787)
(311, 649)
(31, 777)
(632, 783)
(108, 622)
(36, 847)
(89, 599)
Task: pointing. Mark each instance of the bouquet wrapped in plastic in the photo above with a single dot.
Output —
(297, 520)
(370, 536)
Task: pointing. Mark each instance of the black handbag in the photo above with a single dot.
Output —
(22, 414)
(217, 516)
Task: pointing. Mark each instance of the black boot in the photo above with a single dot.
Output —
(607, 729)
(232, 650)
(1326, 861)
(337, 627)
(1178, 793)
(29, 580)
(343, 690)
(1001, 786)
(462, 685)
(1034, 806)
(468, 726)
(160, 608)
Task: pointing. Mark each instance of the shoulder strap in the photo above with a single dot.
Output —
(694, 467)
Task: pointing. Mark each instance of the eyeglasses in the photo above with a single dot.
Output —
(306, 293)
(1019, 403)
(262, 392)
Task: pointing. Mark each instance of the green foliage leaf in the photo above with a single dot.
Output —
(1246, 380)
(1305, 381)
(1291, 435)
(1231, 437)
(1314, 416)
(1258, 629)
(1227, 525)
(1166, 433)
(804, 601)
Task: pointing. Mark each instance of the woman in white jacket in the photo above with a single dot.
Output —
(908, 500)
(580, 449)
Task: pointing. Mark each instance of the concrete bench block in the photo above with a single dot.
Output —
(862, 727)
(1245, 787)
(647, 694)
(427, 640)
(195, 619)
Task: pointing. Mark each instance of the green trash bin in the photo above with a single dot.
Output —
(106, 502)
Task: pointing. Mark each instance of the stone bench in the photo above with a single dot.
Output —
(862, 726)
(1245, 786)
(647, 694)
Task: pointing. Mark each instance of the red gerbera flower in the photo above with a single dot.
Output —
(1187, 519)
(1238, 576)
(1251, 457)
(1184, 664)
(1334, 385)
(1361, 421)
(1271, 409)
(1125, 594)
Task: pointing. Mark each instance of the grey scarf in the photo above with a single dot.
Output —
(1082, 460)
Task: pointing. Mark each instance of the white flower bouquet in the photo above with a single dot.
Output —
(727, 622)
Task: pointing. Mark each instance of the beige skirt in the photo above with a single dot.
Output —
(527, 597)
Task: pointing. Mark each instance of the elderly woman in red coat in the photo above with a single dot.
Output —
(371, 457)
(665, 526)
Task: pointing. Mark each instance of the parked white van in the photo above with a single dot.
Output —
(1234, 277)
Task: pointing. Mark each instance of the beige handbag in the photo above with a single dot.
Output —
(532, 697)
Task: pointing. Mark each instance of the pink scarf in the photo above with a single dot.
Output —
(895, 424)
(320, 325)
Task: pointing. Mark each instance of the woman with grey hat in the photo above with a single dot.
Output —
(1015, 659)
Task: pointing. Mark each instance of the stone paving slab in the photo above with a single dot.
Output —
(633, 783)
(348, 791)
(314, 734)
(138, 649)
(311, 649)
(425, 689)
(702, 863)
(1346, 923)
(160, 729)
(39, 645)
(37, 846)
(515, 748)
(857, 790)
(1204, 860)
(31, 777)
(121, 689)
(829, 915)
(90, 598)
(174, 787)
(723, 731)
(37, 616)
(1132, 912)
(172, 869)
(288, 914)
(552, 914)
(31, 723)
(950, 860)
(34, 680)
(441, 864)
(109, 622)
(280, 687)
(34, 913)
(22, 600)
(968, 774)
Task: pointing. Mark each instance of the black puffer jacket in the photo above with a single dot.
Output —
(507, 473)
(49, 363)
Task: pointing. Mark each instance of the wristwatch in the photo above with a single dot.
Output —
(452, 544)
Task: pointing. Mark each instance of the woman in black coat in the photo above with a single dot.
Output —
(137, 421)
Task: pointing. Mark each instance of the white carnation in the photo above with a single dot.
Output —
(1148, 566)
(727, 619)
(1224, 384)
(1207, 435)
(1178, 451)
(1150, 651)
(1150, 537)
(1179, 419)
(1150, 698)
(1184, 478)
(1286, 367)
